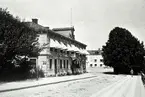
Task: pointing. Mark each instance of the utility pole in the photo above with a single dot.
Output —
(71, 17)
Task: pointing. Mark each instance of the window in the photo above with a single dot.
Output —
(44, 62)
(101, 65)
(64, 63)
(95, 60)
(101, 60)
(33, 63)
(51, 49)
(91, 65)
(61, 51)
(55, 50)
(50, 63)
(67, 52)
(64, 52)
(60, 64)
(95, 64)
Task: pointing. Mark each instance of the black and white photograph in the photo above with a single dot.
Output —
(72, 48)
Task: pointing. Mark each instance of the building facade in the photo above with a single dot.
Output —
(61, 53)
(94, 58)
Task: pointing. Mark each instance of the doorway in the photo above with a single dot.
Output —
(55, 64)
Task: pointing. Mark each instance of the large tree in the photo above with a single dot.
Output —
(123, 51)
(17, 40)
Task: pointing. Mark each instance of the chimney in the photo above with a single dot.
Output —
(35, 21)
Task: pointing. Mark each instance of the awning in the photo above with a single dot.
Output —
(72, 48)
(63, 46)
(86, 52)
(52, 43)
(69, 47)
(55, 44)
(75, 48)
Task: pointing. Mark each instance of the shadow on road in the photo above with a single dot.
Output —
(109, 72)
(112, 73)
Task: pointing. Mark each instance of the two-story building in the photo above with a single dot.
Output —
(94, 58)
(62, 54)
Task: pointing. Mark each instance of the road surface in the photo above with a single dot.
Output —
(80, 88)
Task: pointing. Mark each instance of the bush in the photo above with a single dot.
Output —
(34, 74)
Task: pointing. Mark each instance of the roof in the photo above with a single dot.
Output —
(38, 27)
(35, 26)
(67, 32)
(64, 29)
(94, 52)
(53, 32)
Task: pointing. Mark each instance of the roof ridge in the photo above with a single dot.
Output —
(63, 28)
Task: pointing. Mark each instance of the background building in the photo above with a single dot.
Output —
(94, 58)
(61, 53)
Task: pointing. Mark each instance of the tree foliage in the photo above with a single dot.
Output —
(123, 51)
(17, 40)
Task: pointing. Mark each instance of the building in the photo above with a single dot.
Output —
(94, 58)
(62, 54)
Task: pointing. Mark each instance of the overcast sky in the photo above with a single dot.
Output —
(92, 19)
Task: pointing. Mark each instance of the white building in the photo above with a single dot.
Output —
(60, 50)
(94, 59)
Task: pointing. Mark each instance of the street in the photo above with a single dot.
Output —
(79, 88)
(72, 48)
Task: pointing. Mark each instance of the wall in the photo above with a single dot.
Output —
(43, 61)
(94, 61)
(44, 42)
(50, 58)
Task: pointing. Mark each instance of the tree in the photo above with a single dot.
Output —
(17, 40)
(123, 51)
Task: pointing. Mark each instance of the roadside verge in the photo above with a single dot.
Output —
(42, 82)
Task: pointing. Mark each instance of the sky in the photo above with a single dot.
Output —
(92, 19)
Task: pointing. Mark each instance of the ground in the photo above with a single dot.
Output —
(79, 88)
